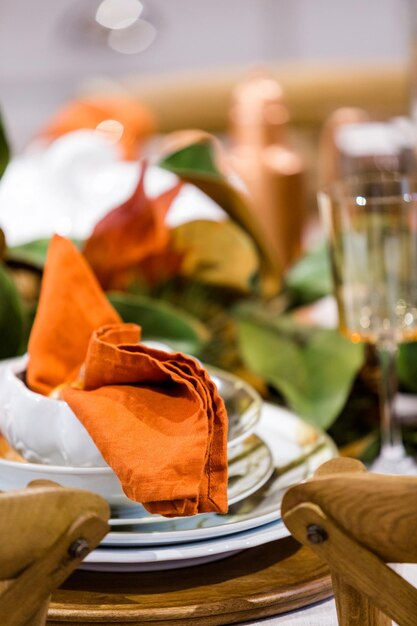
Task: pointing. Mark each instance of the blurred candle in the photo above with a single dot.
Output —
(285, 201)
(271, 169)
(258, 114)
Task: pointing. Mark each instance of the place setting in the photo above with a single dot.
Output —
(269, 449)
(49, 437)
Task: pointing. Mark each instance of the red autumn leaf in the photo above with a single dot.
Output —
(153, 270)
(130, 234)
(160, 267)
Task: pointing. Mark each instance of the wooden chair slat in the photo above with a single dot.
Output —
(356, 522)
(46, 531)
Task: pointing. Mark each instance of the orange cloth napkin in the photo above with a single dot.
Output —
(156, 417)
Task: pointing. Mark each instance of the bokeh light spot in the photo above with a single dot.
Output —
(134, 39)
(118, 14)
(112, 130)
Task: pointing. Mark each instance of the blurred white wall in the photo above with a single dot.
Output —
(48, 47)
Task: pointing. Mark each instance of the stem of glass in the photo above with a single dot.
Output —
(392, 447)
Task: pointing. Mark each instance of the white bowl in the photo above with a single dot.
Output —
(100, 480)
(41, 429)
(250, 466)
(46, 431)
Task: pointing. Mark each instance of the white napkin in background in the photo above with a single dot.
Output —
(69, 185)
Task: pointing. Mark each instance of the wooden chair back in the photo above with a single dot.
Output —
(45, 532)
(357, 522)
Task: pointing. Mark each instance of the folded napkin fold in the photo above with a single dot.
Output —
(156, 417)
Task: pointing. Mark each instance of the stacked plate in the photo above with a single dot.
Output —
(269, 449)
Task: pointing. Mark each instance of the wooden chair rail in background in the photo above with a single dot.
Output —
(357, 522)
(313, 91)
(46, 531)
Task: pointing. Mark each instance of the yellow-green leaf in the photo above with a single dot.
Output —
(219, 253)
(197, 164)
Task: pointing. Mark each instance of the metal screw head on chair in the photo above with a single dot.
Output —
(316, 534)
(79, 548)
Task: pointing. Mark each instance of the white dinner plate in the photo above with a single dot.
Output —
(298, 450)
(175, 556)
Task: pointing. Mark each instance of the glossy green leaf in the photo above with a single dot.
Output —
(32, 253)
(12, 319)
(310, 278)
(196, 163)
(407, 366)
(161, 321)
(194, 160)
(313, 368)
(4, 149)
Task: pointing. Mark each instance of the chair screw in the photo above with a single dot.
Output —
(316, 534)
(79, 549)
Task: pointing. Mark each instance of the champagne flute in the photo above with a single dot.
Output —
(371, 226)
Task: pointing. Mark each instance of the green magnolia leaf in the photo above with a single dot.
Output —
(310, 278)
(193, 160)
(407, 366)
(313, 368)
(161, 321)
(196, 163)
(4, 149)
(32, 253)
(12, 319)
